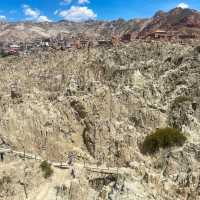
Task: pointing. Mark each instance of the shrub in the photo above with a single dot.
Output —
(197, 49)
(46, 169)
(182, 99)
(162, 138)
(5, 180)
(79, 108)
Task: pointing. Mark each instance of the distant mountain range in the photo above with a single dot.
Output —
(186, 21)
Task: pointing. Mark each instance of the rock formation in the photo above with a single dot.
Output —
(99, 108)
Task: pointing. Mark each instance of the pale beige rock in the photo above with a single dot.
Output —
(100, 109)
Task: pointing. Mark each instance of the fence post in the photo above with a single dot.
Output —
(24, 153)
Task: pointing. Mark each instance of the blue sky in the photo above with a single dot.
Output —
(76, 10)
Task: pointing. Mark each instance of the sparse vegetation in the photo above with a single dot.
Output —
(46, 169)
(79, 108)
(182, 99)
(5, 180)
(162, 138)
(197, 49)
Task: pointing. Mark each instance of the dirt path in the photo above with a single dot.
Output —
(47, 190)
(42, 192)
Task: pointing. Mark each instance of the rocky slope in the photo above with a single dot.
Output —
(185, 21)
(100, 105)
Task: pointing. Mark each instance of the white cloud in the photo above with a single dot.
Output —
(183, 5)
(78, 13)
(83, 1)
(30, 12)
(2, 18)
(43, 18)
(34, 14)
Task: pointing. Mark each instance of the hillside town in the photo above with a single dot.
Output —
(62, 42)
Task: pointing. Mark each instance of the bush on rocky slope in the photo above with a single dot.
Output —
(46, 169)
(181, 99)
(162, 138)
(5, 180)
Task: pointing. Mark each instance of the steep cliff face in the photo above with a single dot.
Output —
(100, 105)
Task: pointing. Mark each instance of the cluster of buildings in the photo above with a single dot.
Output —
(58, 43)
(167, 35)
(40, 44)
(65, 42)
